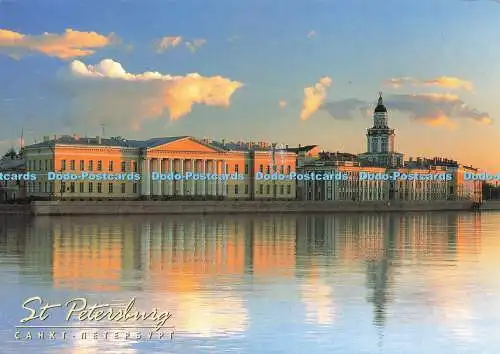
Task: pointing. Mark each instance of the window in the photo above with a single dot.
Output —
(124, 166)
(134, 166)
(289, 189)
(282, 169)
(72, 165)
(63, 187)
(46, 165)
(268, 189)
(99, 165)
(110, 188)
(236, 189)
(72, 187)
(91, 165)
(82, 165)
(268, 169)
(261, 189)
(63, 164)
(246, 169)
(134, 188)
(261, 168)
(82, 186)
(110, 165)
(39, 165)
(289, 169)
(246, 188)
(227, 169)
(282, 189)
(91, 187)
(236, 168)
(99, 187)
(124, 188)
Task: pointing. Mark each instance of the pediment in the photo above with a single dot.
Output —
(187, 144)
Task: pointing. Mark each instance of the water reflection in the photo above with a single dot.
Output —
(225, 276)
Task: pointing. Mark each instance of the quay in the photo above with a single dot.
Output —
(110, 207)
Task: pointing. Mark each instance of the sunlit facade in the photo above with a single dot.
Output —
(141, 159)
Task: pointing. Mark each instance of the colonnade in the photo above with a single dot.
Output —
(184, 186)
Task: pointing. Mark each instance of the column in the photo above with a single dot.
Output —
(146, 176)
(181, 181)
(224, 183)
(203, 182)
(193, 182)
(213, 182)
(163, 190)
(170, 183)
(159, 163)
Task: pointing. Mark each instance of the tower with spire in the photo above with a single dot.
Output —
(380, 140)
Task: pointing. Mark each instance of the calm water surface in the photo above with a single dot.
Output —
(384, 283)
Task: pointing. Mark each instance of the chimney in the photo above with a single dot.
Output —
(286, 146)
(299, 146)
(99, 141)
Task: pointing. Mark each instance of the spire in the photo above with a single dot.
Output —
(380, 100)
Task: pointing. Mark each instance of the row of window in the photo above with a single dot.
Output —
(132, 165)
(71, 165)
(71, 188)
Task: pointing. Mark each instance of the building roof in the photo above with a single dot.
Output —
(11, 164)
(114, 142)
(305, 148)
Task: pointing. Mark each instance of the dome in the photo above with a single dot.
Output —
(380, 105)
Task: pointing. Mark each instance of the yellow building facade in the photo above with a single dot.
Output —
(88, 168)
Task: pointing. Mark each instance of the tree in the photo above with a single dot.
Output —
(12, 154)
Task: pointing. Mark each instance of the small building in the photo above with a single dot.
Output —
(12, 189)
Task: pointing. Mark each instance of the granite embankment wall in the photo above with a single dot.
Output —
(15, 209)
(490, 205)
(232, 207)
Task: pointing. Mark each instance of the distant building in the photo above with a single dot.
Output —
(382, 159)
(380, 140)
(11, 190)
(71, 154)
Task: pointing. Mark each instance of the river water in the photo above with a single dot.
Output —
(358, 283)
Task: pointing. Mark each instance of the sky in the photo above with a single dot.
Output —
(286, 71)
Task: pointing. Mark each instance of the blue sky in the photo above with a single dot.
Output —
(265, 52)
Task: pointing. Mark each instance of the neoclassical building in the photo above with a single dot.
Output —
(382, 158)
(140, 160)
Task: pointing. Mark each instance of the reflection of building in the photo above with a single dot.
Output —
(380, 162)
(87, 256)
(199, 268)
(141, 159)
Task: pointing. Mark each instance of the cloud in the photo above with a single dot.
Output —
(436, 109)
(282, 103)
(344, 109)
(195, 44)
(311, 34)
(106, 92)
(431, 109)
(233, 39)
(314, 97)
(70, 44)
(448, 82)
(168, 42)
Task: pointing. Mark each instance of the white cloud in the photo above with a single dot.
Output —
(314, 97)
(168, 42)
(107, 92)
(196, 44)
